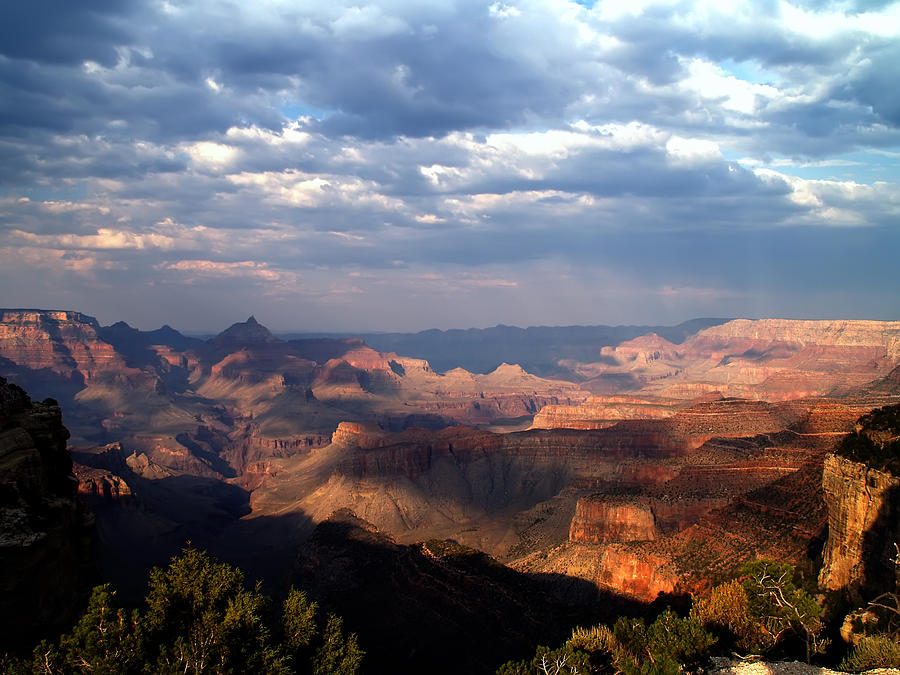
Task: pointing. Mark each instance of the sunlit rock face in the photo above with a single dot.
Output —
(768, 359)
(64, 342)
(45, 534)
(600, 519)
(599, 412)
(863, 524)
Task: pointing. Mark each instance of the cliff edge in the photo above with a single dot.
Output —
(45, 534)
(861, 483)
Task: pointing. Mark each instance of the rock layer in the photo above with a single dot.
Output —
(769, 359)
(608, 519)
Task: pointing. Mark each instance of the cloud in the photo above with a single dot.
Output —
(694, 155)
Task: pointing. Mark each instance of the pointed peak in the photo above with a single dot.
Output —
(248, 332)
(509, 369)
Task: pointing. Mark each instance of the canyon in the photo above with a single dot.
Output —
(646, 465)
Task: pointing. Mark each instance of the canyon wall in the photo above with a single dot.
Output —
(863, 525)
(841, 332)
(769, 359)
(46, 564)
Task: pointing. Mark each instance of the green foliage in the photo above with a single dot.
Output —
(726, 613)
(780, 607)
(199, 618)
(591, 640)
(338, 654)
(105, 639)
(880, 651)
(876, 440)
(584, 652)
(669, 645)
(299, 620)
(319, 652)
(875, 629)
(546, 661)
(755, 613)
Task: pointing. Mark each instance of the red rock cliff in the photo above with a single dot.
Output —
(863, 523)
(605, 518)
(64, 342)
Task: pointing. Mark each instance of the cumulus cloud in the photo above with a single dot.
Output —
(528, 159)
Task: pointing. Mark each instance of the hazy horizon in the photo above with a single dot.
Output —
(398, 166)
(213, 330)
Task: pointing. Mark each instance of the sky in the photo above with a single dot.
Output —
(404, 165)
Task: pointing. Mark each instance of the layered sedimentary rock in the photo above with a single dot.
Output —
(883, 335)
(605, 518)
(214, 408)
(722, 499)
(100, 484)
(889, 385)
(599, 412)
(45, 534)
(310, 426)
(770, 359)
(583, 503)
(63, 342)
(863, 525)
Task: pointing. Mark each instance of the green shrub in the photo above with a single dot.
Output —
(781, 608)
(592, 640)
(669, 645)
(546, 661)
(726, 613)
(879, 651)
(199, 618)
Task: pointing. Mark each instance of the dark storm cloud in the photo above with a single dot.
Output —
(63, 32)
(402, 69)
(408, 70)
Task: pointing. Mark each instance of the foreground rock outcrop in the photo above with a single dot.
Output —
(862, 495)
(45, 534)
(863, 524)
